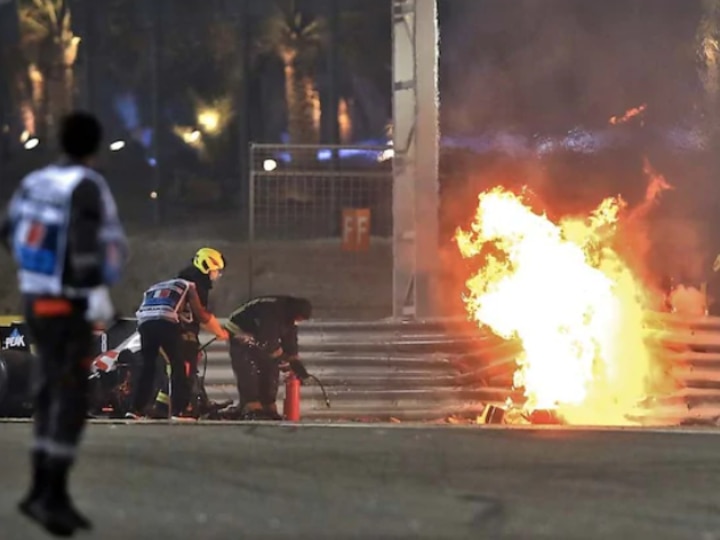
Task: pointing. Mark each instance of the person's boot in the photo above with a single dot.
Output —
(61, 517)
(252, 410)
(80, 521)
(55, 518)
(270, 413)
(38, 481)
(59, 496)
(158, 411)
(253, 415)
(54, 521)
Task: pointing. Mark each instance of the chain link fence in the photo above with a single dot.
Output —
(320, 226)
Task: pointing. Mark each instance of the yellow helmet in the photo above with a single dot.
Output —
(208, 259)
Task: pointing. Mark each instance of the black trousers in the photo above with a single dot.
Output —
(189, 350)
(257, 375)
(161, 338)
(64, 345)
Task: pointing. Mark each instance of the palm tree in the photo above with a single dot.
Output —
(364, 44)
(51, 49)
(296, 40)
(14, 75)
(708, 52)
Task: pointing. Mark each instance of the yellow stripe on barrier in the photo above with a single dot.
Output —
(7, 320)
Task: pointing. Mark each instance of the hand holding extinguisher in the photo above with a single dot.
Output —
(298, 368)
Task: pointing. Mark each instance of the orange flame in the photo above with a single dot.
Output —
(655, 188)
(569, 298)
(630, 113)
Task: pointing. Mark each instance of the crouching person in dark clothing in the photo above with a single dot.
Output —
(263, 339)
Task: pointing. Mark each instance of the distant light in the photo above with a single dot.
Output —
(386, 154)
(117, 145)
(153, 195)
(152, 161)
(191, 136)
(32, 143)
(25, 136)
(209, 120)
(269, 165)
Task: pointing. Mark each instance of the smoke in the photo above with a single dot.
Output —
(688, 301)
(550, 65)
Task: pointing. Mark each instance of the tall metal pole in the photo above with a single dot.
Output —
(404, 105)
(244, 124)
(332, 71)
(415, 163)
(427, 186)
(155, 43)
(88, 46)
(246, 151)
(332, 108)
(9, 38)
(251, 224)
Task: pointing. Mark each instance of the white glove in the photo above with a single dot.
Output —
(100, 308)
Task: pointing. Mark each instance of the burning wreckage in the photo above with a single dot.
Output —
(576, 297)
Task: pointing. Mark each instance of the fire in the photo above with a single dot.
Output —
(569, 298)
(630, 113)
(688, 301)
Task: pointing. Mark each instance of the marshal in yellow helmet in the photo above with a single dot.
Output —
(209, 261)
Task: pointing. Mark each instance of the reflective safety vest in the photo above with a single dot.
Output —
(39, 216)
(164, 300)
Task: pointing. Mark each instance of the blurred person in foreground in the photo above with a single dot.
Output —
(204, 270)
(263, 341)
(164, 308)
(64, 233)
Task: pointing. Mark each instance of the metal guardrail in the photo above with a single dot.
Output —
(377, 370)
(430, 370)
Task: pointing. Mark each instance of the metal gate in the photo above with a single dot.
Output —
(320, 226)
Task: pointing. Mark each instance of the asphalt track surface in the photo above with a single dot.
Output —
(312, 482)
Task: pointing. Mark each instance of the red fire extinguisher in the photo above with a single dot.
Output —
(291, 406)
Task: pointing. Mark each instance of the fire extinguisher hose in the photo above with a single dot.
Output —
(322, 388)
(203, 351)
